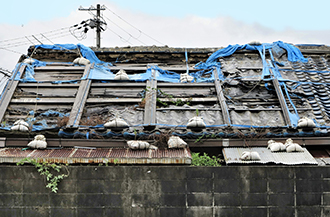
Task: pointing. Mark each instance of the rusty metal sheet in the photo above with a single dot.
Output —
(99, 155)
(232, 156)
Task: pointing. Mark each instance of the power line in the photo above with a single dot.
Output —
(24, 37)
(133, 26)
(46, 38)
(125, 31)
(13, 51)
(24, 42)
(37, 39)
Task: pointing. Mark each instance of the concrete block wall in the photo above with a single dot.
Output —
(168, 191)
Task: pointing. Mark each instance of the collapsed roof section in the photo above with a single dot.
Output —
(239, 91)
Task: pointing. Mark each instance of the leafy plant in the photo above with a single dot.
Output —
(204, 160)
(177, 102)
(47, 170)
(199, 139)
(161, 102)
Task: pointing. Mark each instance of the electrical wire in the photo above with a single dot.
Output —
(133, 26)
(72, 51)
(24, 37)
(23, 40)
(131, 36)
(119, 36)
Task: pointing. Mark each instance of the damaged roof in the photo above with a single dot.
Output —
(242, 92)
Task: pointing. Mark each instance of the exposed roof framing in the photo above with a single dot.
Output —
(221, 98)
(10, 89)
(80, 100)
(150, 101)
(239, 103)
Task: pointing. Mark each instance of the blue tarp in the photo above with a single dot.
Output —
(85, 51)
(294, 53)
(102, 72)
(101, 69)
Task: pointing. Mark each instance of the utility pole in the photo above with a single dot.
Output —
(98, 22)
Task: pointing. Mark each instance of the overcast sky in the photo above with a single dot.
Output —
(184, 23)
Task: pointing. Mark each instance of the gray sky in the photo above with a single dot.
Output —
(208, 23)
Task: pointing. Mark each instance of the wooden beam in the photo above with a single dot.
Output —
(63, 100)
(185, 85)
(43, 101)
(159, 84)
(59, 68)
(221, 98)
(282, 100)
(151, 100)
(9, 90)
(144, 68)
(215, 143)
(80, 100)
(50, 85)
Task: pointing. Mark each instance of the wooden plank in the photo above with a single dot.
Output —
(137, 100)
(185, 85)
(159, 84)
(120, 84)
(188, 92)
(282, 100)
(151, 100)
(28, 107)
(60, 68)
(221, 98)
(199, 99)
(113, 100)
(42, 100)
(80, 100)
(51, 85)
(45, 92)
(144, 68)
(56, 76)
(104, 100)
(9, 91)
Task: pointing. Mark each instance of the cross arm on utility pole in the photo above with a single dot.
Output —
(98, 21)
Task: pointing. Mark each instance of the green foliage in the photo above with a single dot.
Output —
(51, 172)
(135, 134)
(161, 102)
(204, 160)
(199, 139)
(178, 102)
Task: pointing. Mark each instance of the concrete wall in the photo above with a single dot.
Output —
(168, 191)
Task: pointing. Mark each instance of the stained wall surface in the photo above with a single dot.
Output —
(168, 191)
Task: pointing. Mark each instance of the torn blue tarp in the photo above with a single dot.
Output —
(293, 52)
(85, 51)
(101, 70)
(105, 74)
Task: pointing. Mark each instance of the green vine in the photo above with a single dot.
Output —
(177, 102)
(46, 170)
(204, 136)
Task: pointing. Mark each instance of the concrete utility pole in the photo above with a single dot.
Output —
(98, 22)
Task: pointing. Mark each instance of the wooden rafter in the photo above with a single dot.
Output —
(80, 100)
(10, 89)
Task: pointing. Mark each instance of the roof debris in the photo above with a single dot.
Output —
(244, 92)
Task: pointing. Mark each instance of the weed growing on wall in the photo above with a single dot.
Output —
(204, 160)
(51, 172)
